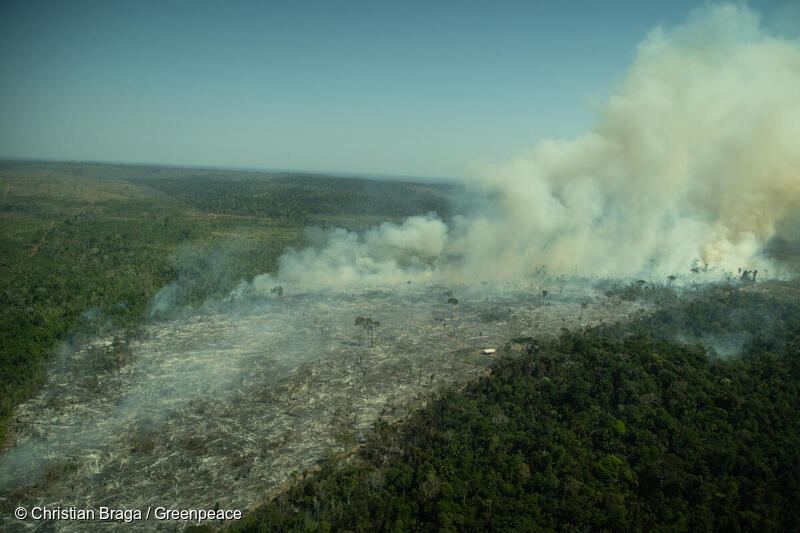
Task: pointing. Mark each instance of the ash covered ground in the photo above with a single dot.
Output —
(224, 406)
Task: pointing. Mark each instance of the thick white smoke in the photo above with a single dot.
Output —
(695, 157)
(387, 254)
(693, 161)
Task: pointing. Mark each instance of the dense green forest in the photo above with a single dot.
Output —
(302, 197)
(633, 427)
(84, 247)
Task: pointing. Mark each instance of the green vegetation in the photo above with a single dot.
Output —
(303, 198)
(84, 247)
(619, 428)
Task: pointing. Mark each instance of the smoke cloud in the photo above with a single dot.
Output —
(695, 157)
(387, 254)
(693, 162)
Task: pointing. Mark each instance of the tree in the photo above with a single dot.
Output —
(361, 323)
(372, 324)
(368, 324)
(453, 303)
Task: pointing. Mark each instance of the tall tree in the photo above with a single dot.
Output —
(453, 303)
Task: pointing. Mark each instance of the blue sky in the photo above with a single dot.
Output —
(397, 88)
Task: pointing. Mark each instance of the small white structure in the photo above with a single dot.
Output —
(488, 351)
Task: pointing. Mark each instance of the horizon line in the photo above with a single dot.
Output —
(305, 172)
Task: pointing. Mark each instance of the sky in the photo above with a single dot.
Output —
(391, 88)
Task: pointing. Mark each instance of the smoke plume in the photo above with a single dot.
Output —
(695, 157)
(693, 162)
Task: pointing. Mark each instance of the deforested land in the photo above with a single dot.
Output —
(86, 246)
